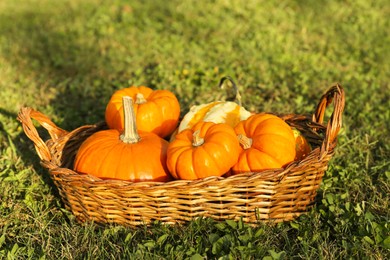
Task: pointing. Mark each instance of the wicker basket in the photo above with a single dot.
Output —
(272, 195)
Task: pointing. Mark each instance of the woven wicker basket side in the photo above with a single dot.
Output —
(273, 195)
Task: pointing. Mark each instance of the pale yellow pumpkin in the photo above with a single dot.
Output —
(227, 112)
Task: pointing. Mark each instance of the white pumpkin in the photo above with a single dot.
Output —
(218, 112)
(227, 112)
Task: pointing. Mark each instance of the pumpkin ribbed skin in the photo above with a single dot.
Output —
(267, 142)
(130, 155)
(105, 156)
(302, 146)
(217, 112)
(207, 149)
(156, 111)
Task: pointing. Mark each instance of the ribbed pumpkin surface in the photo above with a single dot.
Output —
(217, 112)
(267, 142)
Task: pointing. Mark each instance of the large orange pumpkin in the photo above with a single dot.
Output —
(267, 142)
(131, 155)
(207, 149)
(156, 111)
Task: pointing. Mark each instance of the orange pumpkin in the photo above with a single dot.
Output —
(131, 155)
(156, 111)
(207, 149)
(302, 146)
(267, 142)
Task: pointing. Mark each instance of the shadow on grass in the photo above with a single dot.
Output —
(54, 57)
(25, 149)
(54, 54)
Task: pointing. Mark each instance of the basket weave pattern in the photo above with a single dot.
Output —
(272, 195)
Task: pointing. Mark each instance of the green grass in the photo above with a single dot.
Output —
(65, 58)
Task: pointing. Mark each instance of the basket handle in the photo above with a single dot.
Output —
(335, 94)
(24, 116)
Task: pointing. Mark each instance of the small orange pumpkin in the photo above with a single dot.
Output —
(302, 146)
(267, 142)
(207, 149)
(156, 111)
(131, 155)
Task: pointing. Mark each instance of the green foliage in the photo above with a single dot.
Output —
(65, 58)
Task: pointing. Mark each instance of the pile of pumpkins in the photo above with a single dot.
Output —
(146, 141)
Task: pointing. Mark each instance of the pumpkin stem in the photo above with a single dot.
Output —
(245, 141)
(140, 99)
(237, 96)
(130, 134)
(197, 140)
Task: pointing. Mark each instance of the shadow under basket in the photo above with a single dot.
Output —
(273, 195)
